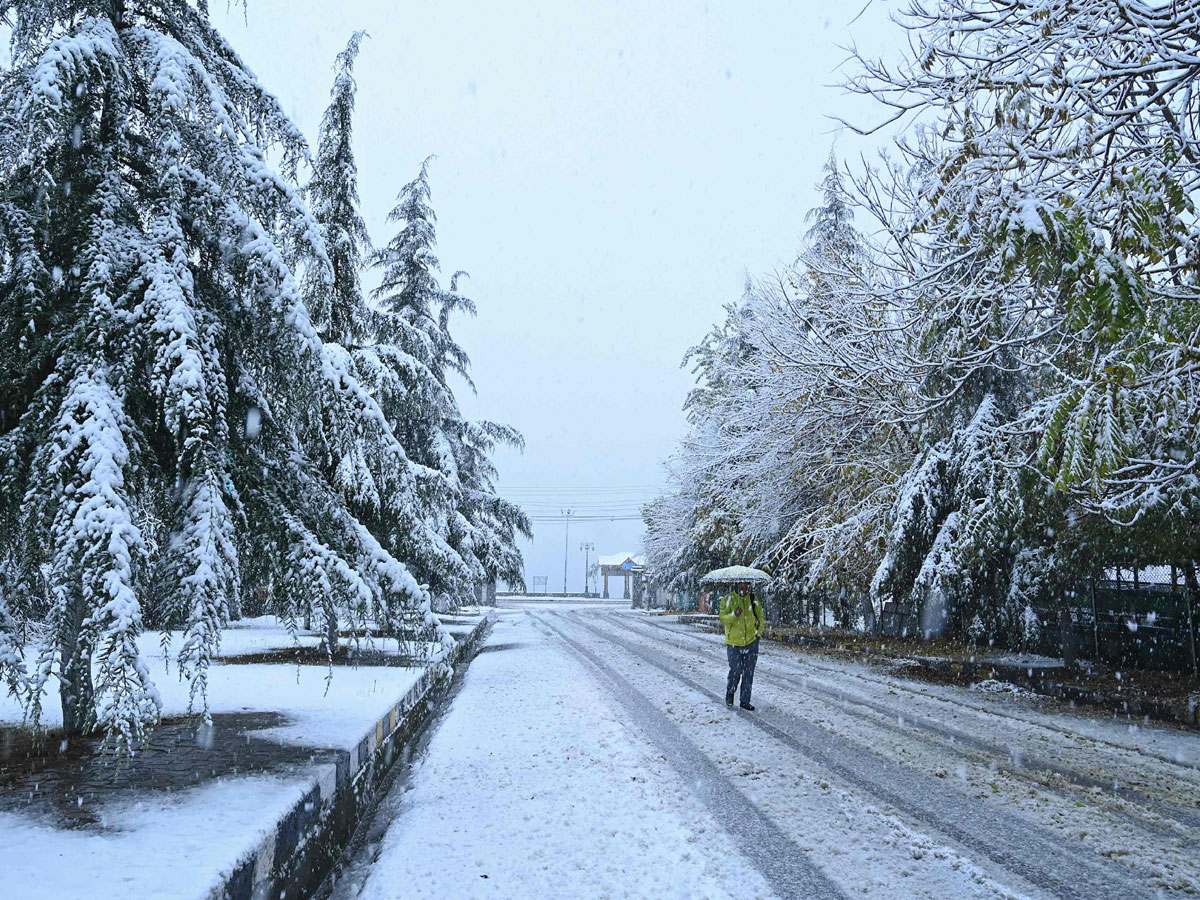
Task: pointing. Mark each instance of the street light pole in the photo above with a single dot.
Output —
(567, 513)
(586, 547)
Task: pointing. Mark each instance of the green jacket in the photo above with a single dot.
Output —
(746, 628)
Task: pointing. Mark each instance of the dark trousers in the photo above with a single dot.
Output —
(741, 666)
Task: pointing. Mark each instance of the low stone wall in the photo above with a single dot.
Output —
(292, 861)
(1048, 681)
(1183, 711)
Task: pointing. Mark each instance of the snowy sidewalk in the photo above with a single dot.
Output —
(535, 785)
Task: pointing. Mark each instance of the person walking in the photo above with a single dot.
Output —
(742, 615)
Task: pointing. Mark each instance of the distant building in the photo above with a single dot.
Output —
(627, 566)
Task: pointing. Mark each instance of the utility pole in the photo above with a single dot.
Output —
(586, 547)
(567, 513)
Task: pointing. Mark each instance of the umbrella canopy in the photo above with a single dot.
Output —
(734, 574)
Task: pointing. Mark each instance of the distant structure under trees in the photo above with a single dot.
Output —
(627, 566)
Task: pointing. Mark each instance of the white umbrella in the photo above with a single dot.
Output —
(735, 574)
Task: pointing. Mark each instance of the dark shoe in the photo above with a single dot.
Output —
(746, 706)
(729, 699)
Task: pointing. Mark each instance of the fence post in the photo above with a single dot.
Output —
(1191, 630)
(1191, 589)
(1066, 637)
(1095, 620)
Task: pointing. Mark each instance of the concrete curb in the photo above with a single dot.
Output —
(1040, 680)
(293, 859)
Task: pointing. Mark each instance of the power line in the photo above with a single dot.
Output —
(585, 507)
(546, 504)
(580, 492)
(619, 518)
(594, 516)
(583, 499)
(586, 498)
(582, 503)
(584, 487)
(627, 510)
(551, 499)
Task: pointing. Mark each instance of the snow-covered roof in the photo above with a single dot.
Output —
(619, 559)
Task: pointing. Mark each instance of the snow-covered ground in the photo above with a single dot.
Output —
(178, 845)
(536, 785)
(322, 711)
(589, 755)
(181, 843)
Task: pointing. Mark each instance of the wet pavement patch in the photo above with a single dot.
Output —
(315, 656)
(68, 781)
(495, 648)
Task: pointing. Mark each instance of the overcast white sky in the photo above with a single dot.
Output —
(608, 172)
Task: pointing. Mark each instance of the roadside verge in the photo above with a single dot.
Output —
(1076, 687)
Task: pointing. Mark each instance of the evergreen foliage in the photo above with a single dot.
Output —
(198, 404)
(471, 539)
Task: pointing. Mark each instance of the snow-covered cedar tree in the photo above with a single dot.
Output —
(492, 526)
(668, 545)
(953, 529)
(458, 532)
(704, 508)
(337, 304)
(351, 440)
(1031, 628)
(976, 631)
(164, 383)
(945, 544)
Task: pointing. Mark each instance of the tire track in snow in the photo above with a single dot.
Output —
(783, 864)
(1030, 764)
(1019, 847)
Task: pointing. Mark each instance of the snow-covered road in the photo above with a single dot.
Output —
(589, 754)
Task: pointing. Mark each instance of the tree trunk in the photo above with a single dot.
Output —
(331, 631)
(843, 609)
(76, 691)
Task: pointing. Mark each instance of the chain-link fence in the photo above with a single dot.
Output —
(1126, 617)
(1135, 617)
